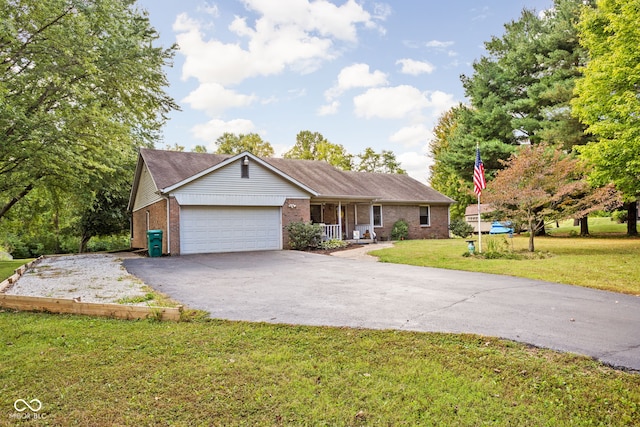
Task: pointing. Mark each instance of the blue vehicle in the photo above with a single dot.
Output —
(499, 228)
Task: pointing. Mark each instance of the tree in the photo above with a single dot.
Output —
(453, 150)
(230, 143)
(520, 92)
(542, 184)
(314, 146)
(81, 83)
(383, 162)
(174, 147)
(607, 97)
(199, 149)
(522, 89)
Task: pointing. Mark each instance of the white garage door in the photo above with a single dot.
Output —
(207, 229)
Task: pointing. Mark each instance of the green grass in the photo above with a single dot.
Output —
(95, 372)
(7, 268)
(605, 261)
(601, 226)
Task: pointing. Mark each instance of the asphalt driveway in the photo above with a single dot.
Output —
(310, 289)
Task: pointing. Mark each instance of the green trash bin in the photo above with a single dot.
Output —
(154, 241)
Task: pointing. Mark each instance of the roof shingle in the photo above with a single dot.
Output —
(171, 167)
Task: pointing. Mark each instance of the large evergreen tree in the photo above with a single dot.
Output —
(519, 92)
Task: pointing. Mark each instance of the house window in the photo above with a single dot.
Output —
(316, 214)
(425, 216)
(244, 168)
(377, 215)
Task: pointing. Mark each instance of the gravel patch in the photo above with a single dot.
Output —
(97, 278)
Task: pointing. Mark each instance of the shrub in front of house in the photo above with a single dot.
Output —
(304, 235)
(400, 230)
(461, 228)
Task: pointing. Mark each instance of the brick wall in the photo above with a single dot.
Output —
(301, 212)
(438, 228)
(157, 221)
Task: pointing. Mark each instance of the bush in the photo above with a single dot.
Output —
(461, 228)
(333, 244)
(620, 217)
(400, 230)
(108, 243)
(304, 235)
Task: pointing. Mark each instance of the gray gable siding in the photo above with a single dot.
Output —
(146, 194)
(228, 180)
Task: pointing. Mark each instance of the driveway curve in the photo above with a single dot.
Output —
(310, 289)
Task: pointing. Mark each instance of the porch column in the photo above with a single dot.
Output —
(340, 219)
(371, 218)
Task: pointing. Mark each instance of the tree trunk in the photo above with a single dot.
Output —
(84, 240)
(532, 234)
(584, 226)
(632, 219)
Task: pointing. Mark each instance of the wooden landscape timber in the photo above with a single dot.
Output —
(70, 306)
(4, 285)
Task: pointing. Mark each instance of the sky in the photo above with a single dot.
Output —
(363, 73)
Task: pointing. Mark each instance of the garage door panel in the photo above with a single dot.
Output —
(207, 229)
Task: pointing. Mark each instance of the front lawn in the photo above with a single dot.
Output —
(94, 372)
(601, 263)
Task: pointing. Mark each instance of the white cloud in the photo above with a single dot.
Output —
(213, 129)
(214, 99)
(439, 102)
(438, 44)
(416, 164)
(354, 76)
(288, 34)
(414, 68)
(329, 109)
(390, 102)
(411, 136)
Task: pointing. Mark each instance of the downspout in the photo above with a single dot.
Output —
(168, 226)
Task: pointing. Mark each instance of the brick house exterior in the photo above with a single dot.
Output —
(222, 203)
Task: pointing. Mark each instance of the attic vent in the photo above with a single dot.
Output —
(244, 168)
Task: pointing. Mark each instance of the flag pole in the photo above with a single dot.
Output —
(479, 229)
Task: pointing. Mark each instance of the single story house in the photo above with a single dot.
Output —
(208, 203)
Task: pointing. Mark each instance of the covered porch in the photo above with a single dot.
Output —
(348, 220)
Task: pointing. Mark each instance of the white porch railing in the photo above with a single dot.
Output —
(363, 228)
(331, 232)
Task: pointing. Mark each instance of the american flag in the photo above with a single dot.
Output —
(479, 183)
